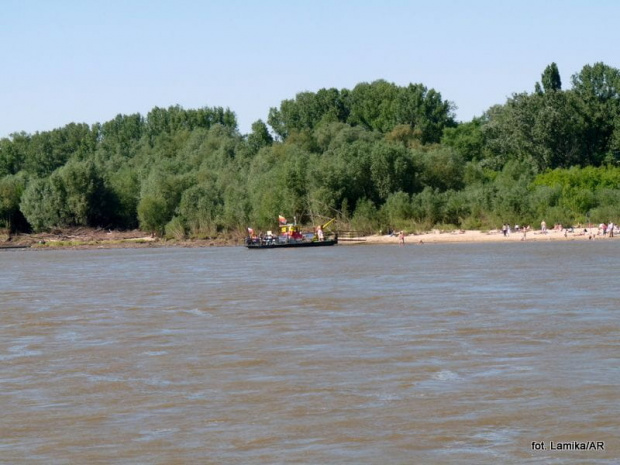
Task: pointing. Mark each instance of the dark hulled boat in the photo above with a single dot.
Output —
(290, 237)
(250, 244)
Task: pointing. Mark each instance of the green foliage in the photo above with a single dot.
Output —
(441, 168)
(365, 218)
(551, 81)
(397, 211)
(86, 199)
(308, 111)
(153, 213)
(175, 119)
(428, 206)
(260, 137)
(377, 156)
(546, 130)
(43, 204)
(121, 135)
(456, 208)
(175, 229)
(124, 187)
(467, 140)
(12, 154)
(391, 170)
(374, 106)
(582, 190)
(377, 106)
(73, 195)
(11, 190)
(160, 196)
(424, 110)
(200, 209)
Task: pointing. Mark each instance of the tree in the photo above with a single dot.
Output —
(373, 106)
(597, 88)
(365, 217)
(397, 210)
(467, 139)
(546, 130)
(159, 198)
(121, 135)
(551, 81)
(160, 121)
(13, 153)
(441, 168)
(87, 201)
(124, 187)
(309, 110)
(11, 190)
(259, 137)
(344, 171)
(391, 170)
(424, 110)
(43, 203)
(200, 209)
(74, 195)
(153, 213)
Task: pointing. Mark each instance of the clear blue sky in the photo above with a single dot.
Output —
(66, 61)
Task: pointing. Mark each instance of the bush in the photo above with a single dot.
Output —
(175, 229)
(152, 214)
(365, 218)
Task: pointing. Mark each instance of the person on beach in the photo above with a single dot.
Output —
(401, 238)
(543, 227)
(610, 228)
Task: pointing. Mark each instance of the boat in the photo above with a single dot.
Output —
(290, 236)
(290, 245)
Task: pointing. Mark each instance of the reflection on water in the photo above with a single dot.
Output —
(458, 353)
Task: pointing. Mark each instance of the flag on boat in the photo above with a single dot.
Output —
(281, 219)
(250, 231)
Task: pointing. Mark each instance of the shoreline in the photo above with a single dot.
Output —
(473, 236)
(85, 238)
(98, 239)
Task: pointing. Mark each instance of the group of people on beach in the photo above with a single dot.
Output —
(604, 230)
(507, 229)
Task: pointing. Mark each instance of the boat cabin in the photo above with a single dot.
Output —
(291, 232)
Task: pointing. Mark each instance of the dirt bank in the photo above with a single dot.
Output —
(88, 238)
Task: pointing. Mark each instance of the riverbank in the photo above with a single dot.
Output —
(436, 236)
(85, 238)
(88, 238)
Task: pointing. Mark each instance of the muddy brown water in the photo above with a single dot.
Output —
(454, 353)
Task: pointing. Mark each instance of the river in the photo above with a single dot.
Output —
(447, 353)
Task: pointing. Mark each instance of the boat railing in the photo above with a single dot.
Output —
(351, 234)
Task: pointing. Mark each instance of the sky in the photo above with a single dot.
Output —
(86, 61)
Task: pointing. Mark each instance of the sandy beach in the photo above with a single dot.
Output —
(435, 237)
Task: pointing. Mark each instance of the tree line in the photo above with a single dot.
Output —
(378, 156)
